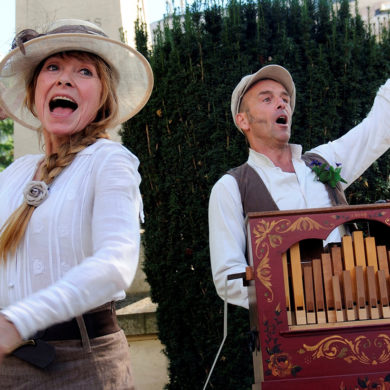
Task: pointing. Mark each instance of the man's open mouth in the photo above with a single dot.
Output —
(282, 120)
(62, 102)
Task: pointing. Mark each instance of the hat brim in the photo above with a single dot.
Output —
(133, 72)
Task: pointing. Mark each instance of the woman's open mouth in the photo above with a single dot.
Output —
(60, 103)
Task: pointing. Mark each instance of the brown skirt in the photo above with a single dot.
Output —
(107, 366)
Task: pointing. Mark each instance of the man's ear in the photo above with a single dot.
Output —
(242, 121)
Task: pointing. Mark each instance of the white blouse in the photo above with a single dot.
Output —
(81, 246)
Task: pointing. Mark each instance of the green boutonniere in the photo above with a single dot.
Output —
(326, 173)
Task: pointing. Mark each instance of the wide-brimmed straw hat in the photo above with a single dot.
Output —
(131, 70)
(271, 72)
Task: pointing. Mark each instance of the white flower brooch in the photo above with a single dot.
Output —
(35, 193)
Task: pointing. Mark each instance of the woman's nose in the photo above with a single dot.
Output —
(63, 81)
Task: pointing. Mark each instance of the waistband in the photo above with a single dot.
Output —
(98, 322)
(95, 323)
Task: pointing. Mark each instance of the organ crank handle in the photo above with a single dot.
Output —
(246, 276)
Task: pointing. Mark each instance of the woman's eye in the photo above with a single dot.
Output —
(52, 67)
(86, 72)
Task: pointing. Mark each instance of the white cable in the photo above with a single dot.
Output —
(225, 306)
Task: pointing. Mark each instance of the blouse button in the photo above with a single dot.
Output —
(71, 195)
(63, 230)
(38, 227)
(11, 285)
(38, 267)
(65, 266)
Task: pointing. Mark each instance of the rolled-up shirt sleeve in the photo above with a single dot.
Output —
(363, 144)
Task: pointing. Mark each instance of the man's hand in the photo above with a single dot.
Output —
(9, 337)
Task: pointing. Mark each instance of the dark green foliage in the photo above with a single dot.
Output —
(6, 143)
(185, 139)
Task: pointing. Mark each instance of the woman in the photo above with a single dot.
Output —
(69, 241)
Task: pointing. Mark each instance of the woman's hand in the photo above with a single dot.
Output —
(9, 337)
(3, 114)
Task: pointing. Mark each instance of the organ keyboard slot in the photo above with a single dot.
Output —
(329, 296)
(297, 282)
(337, 298)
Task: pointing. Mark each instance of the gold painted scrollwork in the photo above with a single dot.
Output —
(264, 274)
(306, 224)
(362, 349)
(264, 234)
(270, 235)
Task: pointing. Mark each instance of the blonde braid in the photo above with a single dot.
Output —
(57, 162)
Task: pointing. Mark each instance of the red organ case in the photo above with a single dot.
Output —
(320, 315)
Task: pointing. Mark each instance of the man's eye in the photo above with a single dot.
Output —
(267, 99)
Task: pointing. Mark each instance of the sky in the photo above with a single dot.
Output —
(7, 25)
(155, 9)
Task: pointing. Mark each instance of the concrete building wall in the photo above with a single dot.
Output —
(38, 13)
(149, 374)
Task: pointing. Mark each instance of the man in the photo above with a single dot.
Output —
(262, 106)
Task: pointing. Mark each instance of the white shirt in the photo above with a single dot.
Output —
(81, 245)
(356, 151)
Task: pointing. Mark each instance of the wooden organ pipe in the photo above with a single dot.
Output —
(348, 282)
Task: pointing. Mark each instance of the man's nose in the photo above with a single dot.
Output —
(281, 103)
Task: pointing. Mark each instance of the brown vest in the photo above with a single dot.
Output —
(256, 197)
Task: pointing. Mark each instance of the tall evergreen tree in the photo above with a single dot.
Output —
(186, 139)
(6, 143)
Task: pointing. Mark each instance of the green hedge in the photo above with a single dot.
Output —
(6, 143)
(186, 140)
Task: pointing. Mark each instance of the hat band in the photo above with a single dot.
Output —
(28, 34)
(76, 29)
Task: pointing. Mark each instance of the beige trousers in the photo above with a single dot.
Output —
(106, 367)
